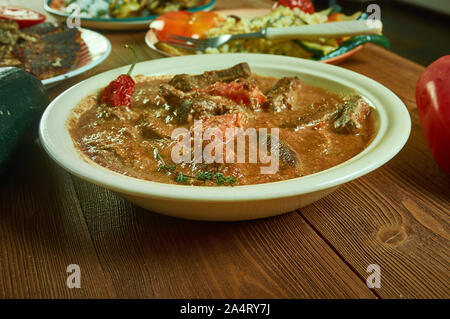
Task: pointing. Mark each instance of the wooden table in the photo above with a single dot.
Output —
(396, 217)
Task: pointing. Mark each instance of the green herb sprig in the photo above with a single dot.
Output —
(218, 178)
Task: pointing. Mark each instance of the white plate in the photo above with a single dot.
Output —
(238, 202)
(137, 23)
(95, 48)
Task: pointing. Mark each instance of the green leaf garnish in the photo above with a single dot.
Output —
(171, 168)
(181, 178)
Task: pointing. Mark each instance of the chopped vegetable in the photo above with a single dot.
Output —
(125, 8)
(120, 91)
(316, 49)
(355, 42)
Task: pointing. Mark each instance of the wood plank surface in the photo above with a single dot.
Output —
(396, 217)
(42, 231)
(149, 255)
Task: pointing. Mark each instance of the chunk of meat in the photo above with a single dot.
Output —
(353, 113)
(312, 115)
(283, 95)
(288, 157)
(55, 53)
(44, 50)
(153, 128)
(111, 148)
(188, 106)
(147, 96)
(231, 120)
(40, 28)
(10, 35)
(186, 82)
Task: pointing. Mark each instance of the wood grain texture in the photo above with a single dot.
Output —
(397, 217)
(396, 73)
(272, 258)
(42, 231)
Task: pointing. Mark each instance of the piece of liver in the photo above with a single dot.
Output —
(283, 95)
(186, 82)
(352, 115)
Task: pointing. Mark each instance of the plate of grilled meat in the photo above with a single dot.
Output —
(51, 52)
(121, 15)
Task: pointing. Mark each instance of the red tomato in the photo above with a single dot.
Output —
(433, 104)
(334, 17)
(201, 22)
(24, 17)
(304, 5)
(184, 23)
(245, 93)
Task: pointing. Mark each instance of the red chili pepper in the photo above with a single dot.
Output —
(120, 91)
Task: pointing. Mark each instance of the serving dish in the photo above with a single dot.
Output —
(238, 202)
(249, 13)
(137, 23)
(95, 48)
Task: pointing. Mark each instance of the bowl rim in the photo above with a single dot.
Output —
(393, 132)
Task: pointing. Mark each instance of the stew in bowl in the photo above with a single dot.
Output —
(317, 129)
(325, 125)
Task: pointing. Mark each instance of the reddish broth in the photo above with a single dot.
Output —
(315, 130)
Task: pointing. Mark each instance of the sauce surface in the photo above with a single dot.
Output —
(317, 129)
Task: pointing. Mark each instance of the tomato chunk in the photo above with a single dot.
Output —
(184, 23)
(242, 92)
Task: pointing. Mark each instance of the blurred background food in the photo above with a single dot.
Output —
(125, 8)
(417, 29)
(44, 50)
(280, 17)
(286, 13)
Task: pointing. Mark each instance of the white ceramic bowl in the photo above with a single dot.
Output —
(238, 202)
